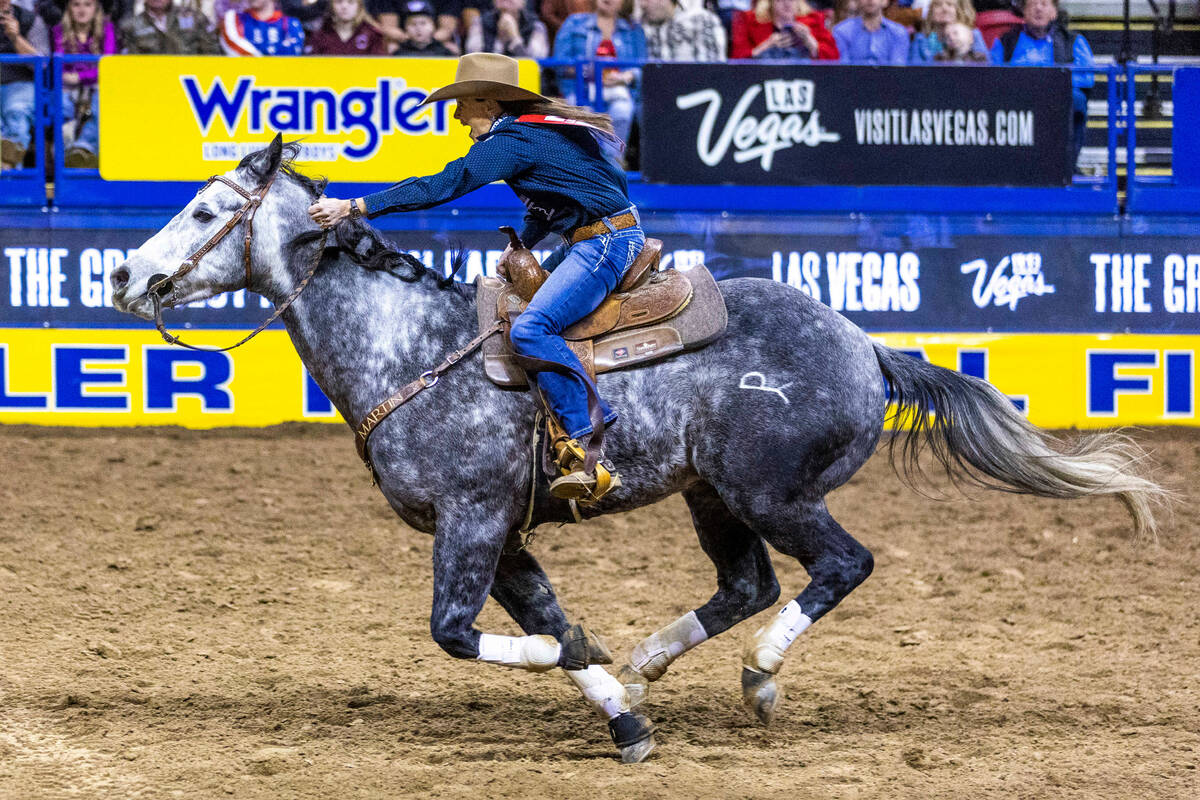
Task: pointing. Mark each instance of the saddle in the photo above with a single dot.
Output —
(653, 313)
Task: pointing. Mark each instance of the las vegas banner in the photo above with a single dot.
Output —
(358, 119)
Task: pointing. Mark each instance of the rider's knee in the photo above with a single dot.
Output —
(527, 330)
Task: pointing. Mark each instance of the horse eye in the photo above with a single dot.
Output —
(200, 215)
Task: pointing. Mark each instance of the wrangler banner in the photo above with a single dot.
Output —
(127, 377)
(358, 119)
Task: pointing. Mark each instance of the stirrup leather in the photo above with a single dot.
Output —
(574, 483)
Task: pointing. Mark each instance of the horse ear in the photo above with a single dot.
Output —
(266, 162)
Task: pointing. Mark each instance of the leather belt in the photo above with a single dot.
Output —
(621, 221)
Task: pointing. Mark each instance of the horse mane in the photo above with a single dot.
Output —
(360, 241)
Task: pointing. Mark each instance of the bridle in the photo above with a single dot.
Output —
(159, 289)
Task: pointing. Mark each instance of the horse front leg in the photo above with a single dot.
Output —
(469, 562)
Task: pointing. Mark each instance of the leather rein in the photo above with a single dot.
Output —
(163, 287)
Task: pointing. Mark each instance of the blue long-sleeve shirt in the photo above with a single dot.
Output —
(1040, 53)
(558, 171)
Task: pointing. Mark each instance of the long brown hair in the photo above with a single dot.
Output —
(95, 31)
(557, 108)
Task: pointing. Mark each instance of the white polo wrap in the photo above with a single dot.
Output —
(533, 653)
(764, 651)
(654, 654)
(603, 691)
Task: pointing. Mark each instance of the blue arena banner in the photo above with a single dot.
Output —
(971, 283)
(752, 124)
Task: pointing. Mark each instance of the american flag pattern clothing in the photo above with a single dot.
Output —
(243, 34)
(686, 36)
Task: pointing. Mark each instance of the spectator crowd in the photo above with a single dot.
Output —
(851, 31)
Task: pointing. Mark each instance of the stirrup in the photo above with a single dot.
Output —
(574, 483)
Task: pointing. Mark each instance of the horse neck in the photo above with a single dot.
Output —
(364, 333)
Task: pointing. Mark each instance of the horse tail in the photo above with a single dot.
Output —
(977, 434)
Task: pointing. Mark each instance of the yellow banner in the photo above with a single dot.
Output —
(130, 377)
(187, 117)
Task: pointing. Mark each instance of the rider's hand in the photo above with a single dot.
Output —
(329, 211)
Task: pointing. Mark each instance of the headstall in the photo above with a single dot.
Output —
(163, 287)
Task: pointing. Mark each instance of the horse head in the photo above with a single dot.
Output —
(230, 236)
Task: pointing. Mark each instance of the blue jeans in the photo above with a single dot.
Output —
(588, 272)
(88, 137)
(16, 112)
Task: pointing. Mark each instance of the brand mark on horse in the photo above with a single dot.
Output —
(760, 383)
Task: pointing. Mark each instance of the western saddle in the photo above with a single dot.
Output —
(653, 313)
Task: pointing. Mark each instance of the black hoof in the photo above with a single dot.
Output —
(633, 735)
(581, 648)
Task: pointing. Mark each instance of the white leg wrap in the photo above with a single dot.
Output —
(655, 653)
(603, 691)
(764, 651)
(534, 653)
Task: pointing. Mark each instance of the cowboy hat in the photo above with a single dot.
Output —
(487, 75)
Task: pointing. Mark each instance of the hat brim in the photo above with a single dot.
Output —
(492, 90)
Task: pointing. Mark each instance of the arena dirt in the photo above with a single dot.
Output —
(239, 614)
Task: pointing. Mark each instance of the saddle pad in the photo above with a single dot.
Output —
(702, 319)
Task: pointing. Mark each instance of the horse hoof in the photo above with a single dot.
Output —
(761, 694)
(637, 753)
(633, 735)
(636, 685)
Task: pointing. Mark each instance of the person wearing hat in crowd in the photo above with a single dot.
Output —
(419, 27)
(553, 156)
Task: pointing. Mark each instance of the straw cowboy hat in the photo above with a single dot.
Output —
(488, 75)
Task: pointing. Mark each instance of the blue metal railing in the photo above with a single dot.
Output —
(25, 186)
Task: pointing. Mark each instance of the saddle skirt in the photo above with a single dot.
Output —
(653, 314)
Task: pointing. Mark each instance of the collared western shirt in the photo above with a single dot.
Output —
(558, 171)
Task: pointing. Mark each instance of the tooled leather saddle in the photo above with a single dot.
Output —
(653, 313)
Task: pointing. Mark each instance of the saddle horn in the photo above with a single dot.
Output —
(521, 266)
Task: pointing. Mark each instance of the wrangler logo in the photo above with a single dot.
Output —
(391, 105)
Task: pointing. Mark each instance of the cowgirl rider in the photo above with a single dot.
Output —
(553, 156)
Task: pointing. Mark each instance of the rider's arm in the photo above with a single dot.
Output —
(494, 159)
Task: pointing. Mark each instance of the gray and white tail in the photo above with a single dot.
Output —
(977, 434)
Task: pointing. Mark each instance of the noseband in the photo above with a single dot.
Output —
(165, 286)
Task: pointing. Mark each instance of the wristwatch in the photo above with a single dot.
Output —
(355, 211)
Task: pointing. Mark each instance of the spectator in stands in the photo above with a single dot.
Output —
(960, 46)
(346, 32)
(555, 12)
(389, 16)
(674, 34)
(261, 30)
(167, 29)
(870, 38)
(310, 13)
(930, 39)
(17, 95)
(51, 11)
(419, 28)
(600, 35)
(509, 29)
(1043, 41)
(782, 29)
(84, 30)
(843, 10)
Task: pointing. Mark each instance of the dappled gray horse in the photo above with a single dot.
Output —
(754, 430)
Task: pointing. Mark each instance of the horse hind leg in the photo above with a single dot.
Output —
(836, 564)
(522, 588)
(745, 586)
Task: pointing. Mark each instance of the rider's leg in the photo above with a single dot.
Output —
(588, 273)
(745, 586)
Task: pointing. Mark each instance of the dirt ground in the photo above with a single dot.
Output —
(239, 614)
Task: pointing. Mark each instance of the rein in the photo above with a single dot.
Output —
(162, 287)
